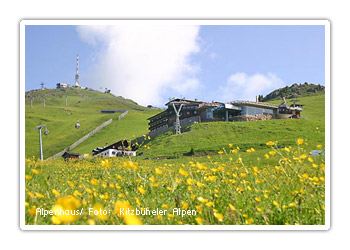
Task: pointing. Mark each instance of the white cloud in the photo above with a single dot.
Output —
(143, 62)
(189, 85)
(241, 86)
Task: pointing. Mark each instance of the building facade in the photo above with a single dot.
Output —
(119, 149)
(61, 85)
(197, 111)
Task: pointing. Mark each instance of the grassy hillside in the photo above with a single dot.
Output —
(207, 138)
(84, 106)
(133, 125)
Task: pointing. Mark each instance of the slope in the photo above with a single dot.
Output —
(84, 106)
(207, 138)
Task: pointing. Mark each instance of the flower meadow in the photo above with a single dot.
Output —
(276, 186)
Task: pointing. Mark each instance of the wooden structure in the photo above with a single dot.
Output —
(71, 156)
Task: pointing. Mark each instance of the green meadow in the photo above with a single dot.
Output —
(208, 138)
(225, 173)
(85, 107)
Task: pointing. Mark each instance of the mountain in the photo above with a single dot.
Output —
(84, 107)
(294, 91)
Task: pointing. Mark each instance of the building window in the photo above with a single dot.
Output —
(209, 114)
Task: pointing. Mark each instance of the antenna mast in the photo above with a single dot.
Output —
(77, 73)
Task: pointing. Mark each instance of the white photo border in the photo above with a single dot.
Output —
(327, 38)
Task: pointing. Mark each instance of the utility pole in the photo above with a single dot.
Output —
(31, 102)
(66, 100)
(44, 101)
(39, 127)
(177, 122)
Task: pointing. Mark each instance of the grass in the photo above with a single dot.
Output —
(133, 125)
(208, 138)
(233, 178)
(226, 190)
(84, 106)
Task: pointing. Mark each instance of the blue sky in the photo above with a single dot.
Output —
(149, 65)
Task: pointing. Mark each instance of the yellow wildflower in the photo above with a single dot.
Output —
(249, 221)
(39, 195)
(100, 212)
(32, 211)
(184, 205)
(141, 190)
(219, 216)
(91, 222)
(94, 182)
(67, 204)
(105, 163)
(209, 204)
(275, 203)
(55, 192)
(300, 141)
(272, 153)
(199, 220)
(183, 172)
(200, 184)
(129, 218)
(35, 171)
(202, 200)
(189, 181)
(231, 207)
(130, 164)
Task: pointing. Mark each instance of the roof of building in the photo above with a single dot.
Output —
(118, 145)
(256, 104)
(179, 100)
(211, 104)
(163, 112)
(69, 154)
(190, 102)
